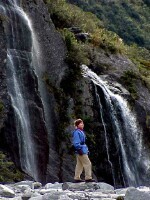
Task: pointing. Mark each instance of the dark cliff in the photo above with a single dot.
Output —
(3, 90)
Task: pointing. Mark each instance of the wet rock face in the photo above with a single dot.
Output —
(23, 87)
(3, 85)
(51, 58)
(51, 54)
(51, 45)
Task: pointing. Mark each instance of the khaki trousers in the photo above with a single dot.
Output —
(83, 162)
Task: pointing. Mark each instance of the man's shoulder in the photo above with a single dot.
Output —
(76, 131)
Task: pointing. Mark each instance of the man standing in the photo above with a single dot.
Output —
(81, 150)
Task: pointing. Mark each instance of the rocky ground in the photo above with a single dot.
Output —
(71, 191)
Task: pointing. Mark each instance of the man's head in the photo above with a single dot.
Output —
(79, 123)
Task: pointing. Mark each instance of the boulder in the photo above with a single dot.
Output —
(37, 198)
(56, 196)
(22, 183)
(133, 194)
(105, 186)
(54, 186)
(75, 30)
(82, 36)
(122, 191)
(86, 186)
(36, 185)
(6, 192)
(27, 194)
(22, 188)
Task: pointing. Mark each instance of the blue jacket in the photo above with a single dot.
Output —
(79, 141)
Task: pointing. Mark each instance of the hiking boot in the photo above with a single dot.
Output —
(90, 180)
(79, 181)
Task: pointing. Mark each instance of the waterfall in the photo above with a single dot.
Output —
(105, 131)
(126, 132)
(26, 144)
(22, 53)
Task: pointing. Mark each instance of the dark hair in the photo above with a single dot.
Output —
(77, 122)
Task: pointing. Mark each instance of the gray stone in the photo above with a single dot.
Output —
(27, 195)
(77, 195)
(36, 185)
(25, 183)
(6, 192)
(22, 188)
(37, 198)
(105, 186)
(44, 191)
(97, 195)
(75, 30)
(133, 194)
(78, 186)
(54, 186)
(55, 196)
(82, 36)
(123, 191)
(105, 191)
(15, 198)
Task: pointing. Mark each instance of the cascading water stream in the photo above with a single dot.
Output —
(105, 131)
(20, 61)
(26, 149)
(126, 133)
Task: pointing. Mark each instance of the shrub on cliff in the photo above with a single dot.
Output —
(141, 58)
(76, 50)
(129, 78)
(65, 15)
(8, 172)
(129, 19)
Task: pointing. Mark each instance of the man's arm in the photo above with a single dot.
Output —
(77, 140)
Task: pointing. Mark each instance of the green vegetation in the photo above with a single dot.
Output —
(129, 19)
(65, 15)
(77, 53)
(141, 58)
(129, 78)
(8, 172)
